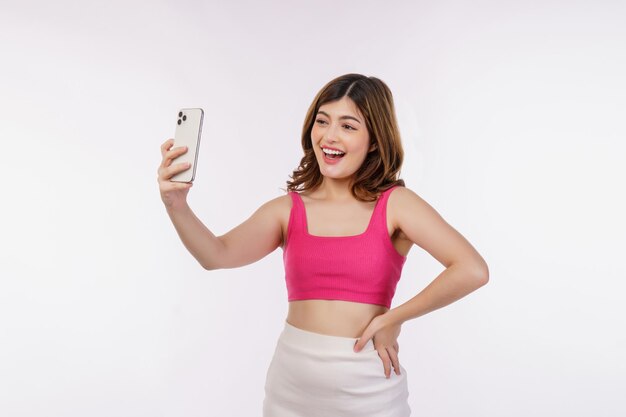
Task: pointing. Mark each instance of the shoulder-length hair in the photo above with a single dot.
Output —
(381, 167)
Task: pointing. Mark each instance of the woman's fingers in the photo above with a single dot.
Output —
(166, 145)
(173, 193)
(182, 185)
(165, 173)
(167, 185)
(393, 354)
(389, 358)
(169, 154)
(166, 170)
(384, 356)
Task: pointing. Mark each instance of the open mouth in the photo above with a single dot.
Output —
(333, 154)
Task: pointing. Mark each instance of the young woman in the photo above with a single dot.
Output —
(345, 226)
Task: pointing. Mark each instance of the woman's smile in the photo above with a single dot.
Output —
(331, 155)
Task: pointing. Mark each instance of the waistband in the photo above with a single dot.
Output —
(322, 341)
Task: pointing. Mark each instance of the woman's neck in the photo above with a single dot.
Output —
(335, 190)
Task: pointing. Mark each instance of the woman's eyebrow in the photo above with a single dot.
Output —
(342, 117)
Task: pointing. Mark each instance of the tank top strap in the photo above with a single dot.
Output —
(380, 212)
(297, 219)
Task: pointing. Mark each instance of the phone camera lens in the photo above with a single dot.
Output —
(180, 114)
(179, 122)
(185, 117)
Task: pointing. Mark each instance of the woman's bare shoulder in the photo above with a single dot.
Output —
(402, 200)
(423, 225)
(280, 208)
(284, 199)
(279, 205)
(402, 192)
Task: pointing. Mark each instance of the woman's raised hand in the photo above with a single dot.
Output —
(173, 194)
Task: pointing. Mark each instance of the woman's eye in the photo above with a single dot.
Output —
(321, 122)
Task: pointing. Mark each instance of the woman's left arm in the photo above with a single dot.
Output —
(465, 270)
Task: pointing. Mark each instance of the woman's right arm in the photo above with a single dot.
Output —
(255, 238)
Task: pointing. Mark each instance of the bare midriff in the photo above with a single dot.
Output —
(333, 317)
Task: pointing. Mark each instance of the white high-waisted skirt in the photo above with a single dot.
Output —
(315, 375)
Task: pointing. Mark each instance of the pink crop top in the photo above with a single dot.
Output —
(363, 268)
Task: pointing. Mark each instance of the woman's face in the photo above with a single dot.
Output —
(339, 126)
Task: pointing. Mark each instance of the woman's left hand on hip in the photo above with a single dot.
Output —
(385, 338)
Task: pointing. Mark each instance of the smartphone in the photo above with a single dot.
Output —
(188, 132)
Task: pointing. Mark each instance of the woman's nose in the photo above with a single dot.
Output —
(330, 135)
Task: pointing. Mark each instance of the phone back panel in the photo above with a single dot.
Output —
(188, 133)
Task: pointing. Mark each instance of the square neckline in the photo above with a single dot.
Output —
(306, 222)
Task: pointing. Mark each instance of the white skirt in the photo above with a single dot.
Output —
(315, 375)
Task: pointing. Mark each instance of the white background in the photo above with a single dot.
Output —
(512, 118)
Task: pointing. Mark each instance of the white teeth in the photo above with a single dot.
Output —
(330, 151)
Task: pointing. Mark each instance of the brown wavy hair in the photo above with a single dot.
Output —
(381, 167)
